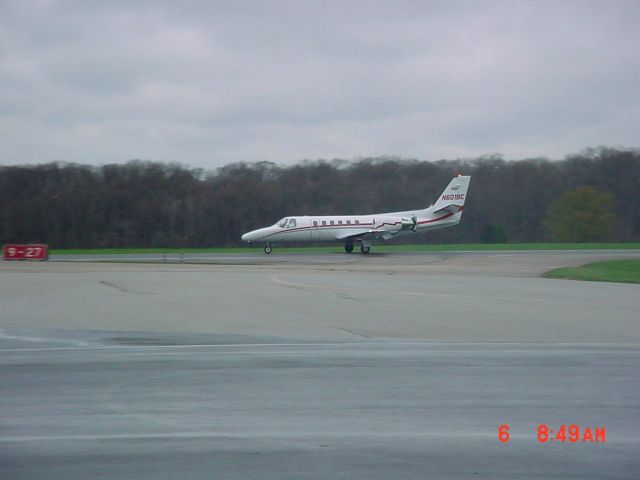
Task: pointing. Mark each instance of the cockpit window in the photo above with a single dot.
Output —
(292, 223)
(283, 222)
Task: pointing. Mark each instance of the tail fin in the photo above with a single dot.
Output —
(453, 197)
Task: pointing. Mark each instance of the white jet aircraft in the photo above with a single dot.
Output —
(349, 229)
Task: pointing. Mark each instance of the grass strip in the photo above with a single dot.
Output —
(620, 271)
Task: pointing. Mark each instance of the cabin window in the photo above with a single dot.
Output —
(315, 223)
(339, 222)
(332, 223)
(357, 222)
(348, 222)
(282, 222)
(324, 222)
(292, 223)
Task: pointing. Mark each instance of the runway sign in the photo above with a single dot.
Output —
(38, 252)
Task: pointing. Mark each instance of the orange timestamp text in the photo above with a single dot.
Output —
(562, 434)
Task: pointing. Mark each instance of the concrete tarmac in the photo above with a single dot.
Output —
(375, 410)
(347, 366)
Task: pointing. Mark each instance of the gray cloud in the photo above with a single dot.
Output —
(208, 83)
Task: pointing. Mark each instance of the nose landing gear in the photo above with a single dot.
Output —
(267, 248)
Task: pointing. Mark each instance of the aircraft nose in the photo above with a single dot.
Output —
(257, 235)
(252, 236)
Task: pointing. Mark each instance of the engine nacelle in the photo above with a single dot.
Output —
(395, 224)
(410, 223)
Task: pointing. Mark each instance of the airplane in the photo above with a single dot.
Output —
(363, 229)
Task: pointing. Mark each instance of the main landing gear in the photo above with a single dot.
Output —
(348, 247)
(267, 248)
(364, 248)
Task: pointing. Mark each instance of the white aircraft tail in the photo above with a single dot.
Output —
(453, 197)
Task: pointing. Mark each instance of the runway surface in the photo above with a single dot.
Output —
(488, 297)
(387, 366)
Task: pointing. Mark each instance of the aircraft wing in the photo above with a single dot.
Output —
(367, 234)
(356, 234)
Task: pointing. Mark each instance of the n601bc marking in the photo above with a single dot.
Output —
(453, 196)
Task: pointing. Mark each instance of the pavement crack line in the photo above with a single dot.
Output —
(352, 332)
(125, 290)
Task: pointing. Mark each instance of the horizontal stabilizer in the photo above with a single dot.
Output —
(451, 209)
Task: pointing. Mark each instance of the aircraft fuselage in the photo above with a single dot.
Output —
(446, 212)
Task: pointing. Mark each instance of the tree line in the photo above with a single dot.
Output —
(150, 204)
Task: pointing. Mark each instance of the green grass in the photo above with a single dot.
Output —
(621, 271)
(338, 248)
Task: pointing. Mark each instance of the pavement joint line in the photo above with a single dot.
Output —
(244, 352)
(336, 344)
(150, 347)
(124, 436)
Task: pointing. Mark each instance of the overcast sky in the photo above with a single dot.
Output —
(208, 83)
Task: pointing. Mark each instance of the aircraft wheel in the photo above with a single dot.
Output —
(364, 249)
(267, 248)
(348, 247)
